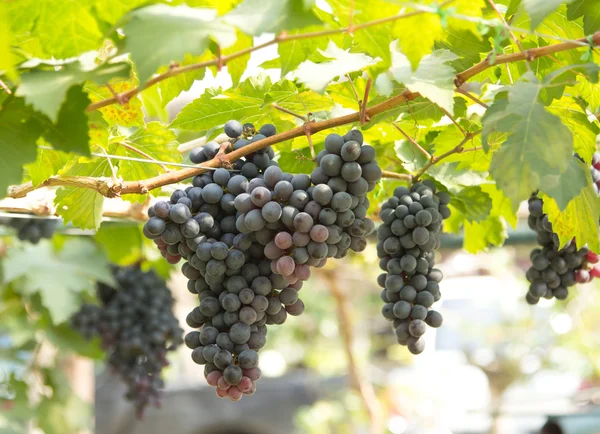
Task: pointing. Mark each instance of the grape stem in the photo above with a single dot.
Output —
(289, 112)
(5, 87)
(472, 98)
(363, 105)
(456, 150)
(143, 154)
(359, 382)
(307, 132)
(413, 142)
(394, 175)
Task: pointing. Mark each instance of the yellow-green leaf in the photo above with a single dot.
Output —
(129, 114)
(579, 220)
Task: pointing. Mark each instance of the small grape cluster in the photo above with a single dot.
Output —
(249, 240)
(553, 269)
(137, 328)
(408, 239)
(31, 230)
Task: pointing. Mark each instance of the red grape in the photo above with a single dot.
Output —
(285, 265)
(245, 384)
(595, 272)
(222, 384)
(221, 393)
(582, 276)
(213, 378)
(234, 393)
(592, 257)
(283, 240)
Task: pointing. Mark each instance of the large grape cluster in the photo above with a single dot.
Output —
(136, 325)
(408, 238)
(249, 240)
(31, 230)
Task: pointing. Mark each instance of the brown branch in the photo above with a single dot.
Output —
(511, 34)
(359, 382)
(125, 96)
(111, 189)
(531, 54)
(365, 101)
(456, 150)
(289, 112)
(394, 175)
(142, 153)
(472, 98)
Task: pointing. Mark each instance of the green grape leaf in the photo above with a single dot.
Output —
(255, 17)
(465, 44)
(589, 10)
(540, 9)
(478, 236)
(317, 76)
(46, 89)
(154, 141)
(214, 108)
(159, 34)
(513, 6)
(556, 81)
(19, 131)
(122, 244)
(7, 59)
(286, 94)
(71, 131)
(501, 205)
(66, 29)
(579, 219)
(82, 206)
(539, 144)
(473, 203)
(375, 40)
(171, 88)
(433, 79)
(415, 43)
(111, 11)
(584, 132)
(564, 187)
(294, 52)
(237, 66)
(48, 163)
(59, 276)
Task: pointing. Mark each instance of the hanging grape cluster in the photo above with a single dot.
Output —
(250, 238)
(554, 269)
(31, 230)
(137, 328)
(408, 237)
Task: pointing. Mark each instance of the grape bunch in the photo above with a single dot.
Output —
(249, 240)
(137, 328)
(408, 238)
(31, 230)
(553, 270)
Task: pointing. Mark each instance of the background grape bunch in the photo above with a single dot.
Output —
(408, 237)
(31, 230)
(137, 328)
(553, 268)
(250, 238)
